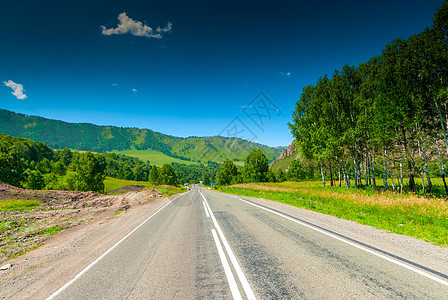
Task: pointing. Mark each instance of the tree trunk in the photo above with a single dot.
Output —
(408, 160)
(373, 174)
(343, 174)
(331, 173)
(392, 179)
(347, 175)
(428, 178)
(359, 175)
(322, 173)
(368, 169)
(385, 187)
(339, 174)
(365, 172)
(443, 127)
(401, 176)
(441, 163)
(423, 178)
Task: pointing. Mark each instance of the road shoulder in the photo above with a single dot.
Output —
(404, 247)
(38, 273)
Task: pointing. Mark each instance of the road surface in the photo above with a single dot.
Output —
(205, 245)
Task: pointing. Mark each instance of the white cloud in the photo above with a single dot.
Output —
(17, 89)
(134, 91)
(114, 84)
(286, 74)
(128, 25)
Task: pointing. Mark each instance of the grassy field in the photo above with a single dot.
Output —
(166, 190)
(419, 216)
(114, 183)
(155, 157)
(18, 204)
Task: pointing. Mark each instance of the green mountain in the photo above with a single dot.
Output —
(142, 142)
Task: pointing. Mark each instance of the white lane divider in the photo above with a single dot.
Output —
(230, 278)
(246, 286)
(418, 271)
(62, 288)
(206, 211)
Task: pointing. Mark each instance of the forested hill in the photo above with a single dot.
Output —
(86, 136)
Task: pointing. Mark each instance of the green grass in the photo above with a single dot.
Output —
(7, 225)
(26, 250)
(169, 190)
(166, 190)
(49, 231)
(155, 157)
(18, 204)
(413, 215)
(114, 183)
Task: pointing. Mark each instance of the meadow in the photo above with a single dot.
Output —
(155, 157)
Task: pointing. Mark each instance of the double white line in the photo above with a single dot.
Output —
(230, 278)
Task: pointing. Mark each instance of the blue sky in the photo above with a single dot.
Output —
(198, 68)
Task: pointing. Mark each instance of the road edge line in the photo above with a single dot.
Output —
(77, 276)
(410, 268)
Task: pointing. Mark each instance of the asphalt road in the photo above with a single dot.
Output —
(204, 245)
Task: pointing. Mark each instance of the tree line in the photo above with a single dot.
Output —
(24, 163)
(256, 169)
(383, 120)
(31, 165)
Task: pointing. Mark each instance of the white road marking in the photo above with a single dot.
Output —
(247, 289)
(233, 286)
(206, 211)
(427, 275)
(62, 288)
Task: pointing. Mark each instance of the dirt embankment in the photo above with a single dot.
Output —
(23, 230)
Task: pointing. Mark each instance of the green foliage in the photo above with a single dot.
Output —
(256, 167)
(34, 180)
(62, 169)
(154, 175)
(227, 173)
(296, 171)
(139, 173)
(11, 168)
(167, 175)
(91, 173)
(51, 181)
(59, 168)
(44, 166)
(205, 179)
(195, 172)
(385, 115)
